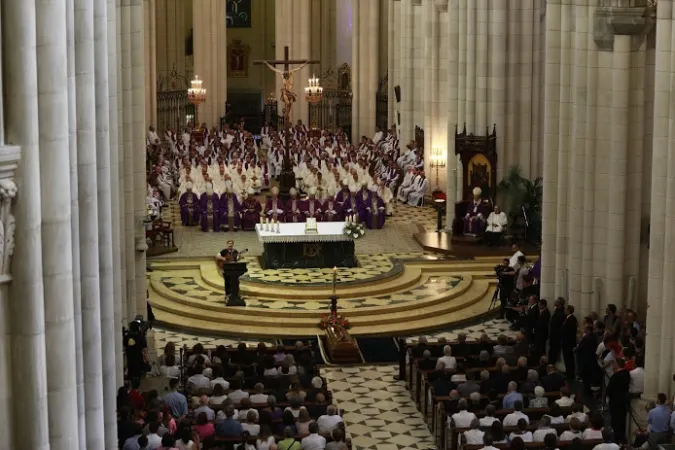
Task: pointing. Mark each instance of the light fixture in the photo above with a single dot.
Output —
(314, 92)
(437, 161)
(196, 95)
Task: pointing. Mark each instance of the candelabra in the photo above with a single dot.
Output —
(196, 96)
(437, 162)
(314, 94)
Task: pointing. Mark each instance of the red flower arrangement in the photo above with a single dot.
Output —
(334, 319)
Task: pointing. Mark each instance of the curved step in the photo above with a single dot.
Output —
(290, 318)
(478, 308)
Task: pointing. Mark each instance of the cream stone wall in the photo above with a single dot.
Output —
(260, 39)
(173, 25)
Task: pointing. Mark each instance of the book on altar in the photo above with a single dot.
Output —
(310, 226)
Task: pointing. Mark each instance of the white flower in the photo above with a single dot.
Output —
(356, 235)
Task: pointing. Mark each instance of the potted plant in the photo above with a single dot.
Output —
(517, 194)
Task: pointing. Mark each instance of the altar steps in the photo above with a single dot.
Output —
(409, 317)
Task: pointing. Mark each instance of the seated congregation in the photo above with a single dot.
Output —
(255, 398)
(507, 394)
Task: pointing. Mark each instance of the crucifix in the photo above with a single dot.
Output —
(288, 97)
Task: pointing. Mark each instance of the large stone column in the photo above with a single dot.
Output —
(118, 280)
(138, 161)
(128, 160)
(52, 69)
(661, 282)
(344, 31)
(105, 220)
(150, 45)
(75, 223)
(407, 126)
(453, 78)
(29, 416)
(301, 49)
(391, 63)
(365, 58)
(89, 238)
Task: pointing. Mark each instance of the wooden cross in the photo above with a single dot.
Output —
(287, 62)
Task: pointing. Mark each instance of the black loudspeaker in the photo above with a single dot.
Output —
(397, 92)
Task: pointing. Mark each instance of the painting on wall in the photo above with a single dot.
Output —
(237, 59)
(238, 14)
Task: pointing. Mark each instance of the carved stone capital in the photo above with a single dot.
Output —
(9, 161)
(633, 18)
(441, 5)
(417, 2)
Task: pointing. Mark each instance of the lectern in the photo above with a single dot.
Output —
(231, 272)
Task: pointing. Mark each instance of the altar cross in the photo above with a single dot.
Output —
(287, 62)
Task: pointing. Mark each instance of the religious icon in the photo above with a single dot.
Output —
(237, 59)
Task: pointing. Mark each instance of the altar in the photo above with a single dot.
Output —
(292, 248)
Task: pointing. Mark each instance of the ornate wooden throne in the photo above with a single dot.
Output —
(477, 158)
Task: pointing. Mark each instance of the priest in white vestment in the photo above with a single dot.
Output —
(387, 196)
(496, 223)
(416, 195)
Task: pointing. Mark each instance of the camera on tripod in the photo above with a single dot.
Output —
(138, 326)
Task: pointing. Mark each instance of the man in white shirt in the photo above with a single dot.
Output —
(314, 441)
(199, 381)
(259, 397)
(237, 394)
(463, 418)
(329, 421)
(511, 420)
(544, 429)
(474, 436)
(487, 442)
(513, 261)
(637, 378)
(496, 222)
(154, 439)
(449, 361)
(608, 440)
(489, 419)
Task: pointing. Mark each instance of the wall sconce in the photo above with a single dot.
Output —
(437, 161)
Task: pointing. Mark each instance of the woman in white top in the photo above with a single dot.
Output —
(449, 361)
(169, 369)
(185, 442)
(595, 430)
(218, 396)
(543, 430)
(250, 424)
(265, 438)
(474, 436)
(573, 432)
(522, 432)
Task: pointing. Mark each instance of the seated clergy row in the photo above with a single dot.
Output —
(215, 213)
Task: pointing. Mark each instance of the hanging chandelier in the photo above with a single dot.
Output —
(314, 92)
(196, 93)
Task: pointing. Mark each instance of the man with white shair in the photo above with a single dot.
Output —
(496, 223)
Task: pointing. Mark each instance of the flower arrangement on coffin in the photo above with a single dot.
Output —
(334, 319)
(354, 230)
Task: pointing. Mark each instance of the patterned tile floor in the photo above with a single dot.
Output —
(378, 411)
(434, 286)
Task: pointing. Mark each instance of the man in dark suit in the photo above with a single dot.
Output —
(588, 366)
(569, 341)
(554, 380)
(531, 317)
(555, 330)
(617, 393)
(541, 328)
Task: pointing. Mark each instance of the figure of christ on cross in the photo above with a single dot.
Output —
(288, 97)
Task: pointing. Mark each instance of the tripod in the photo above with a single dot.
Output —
(495, 297)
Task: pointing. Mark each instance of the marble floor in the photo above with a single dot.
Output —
(378, 411)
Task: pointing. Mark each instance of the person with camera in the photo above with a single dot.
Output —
(225, 256)
(506, 276)
(136, 348)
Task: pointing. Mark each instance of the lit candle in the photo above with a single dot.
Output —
(335, 269)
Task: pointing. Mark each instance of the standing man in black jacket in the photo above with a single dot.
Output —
(617, 394)
(555, 330)
(588, 363)
(569, 341)
(541, 328)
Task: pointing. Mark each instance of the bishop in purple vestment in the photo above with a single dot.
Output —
(332, 211)
(342, 196)
(353, 205)
(474, 220)
(209, 205)
(230, 210)
(189, 207)
(312, 207)
(250, 211)
(375, 210)
(293, 211)
(274, 207)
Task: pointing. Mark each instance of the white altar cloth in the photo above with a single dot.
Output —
(295, 232)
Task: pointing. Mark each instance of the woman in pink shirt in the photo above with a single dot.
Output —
(203, 427)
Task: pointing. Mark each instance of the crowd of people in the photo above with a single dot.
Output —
(217, 174)
(245, 398)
